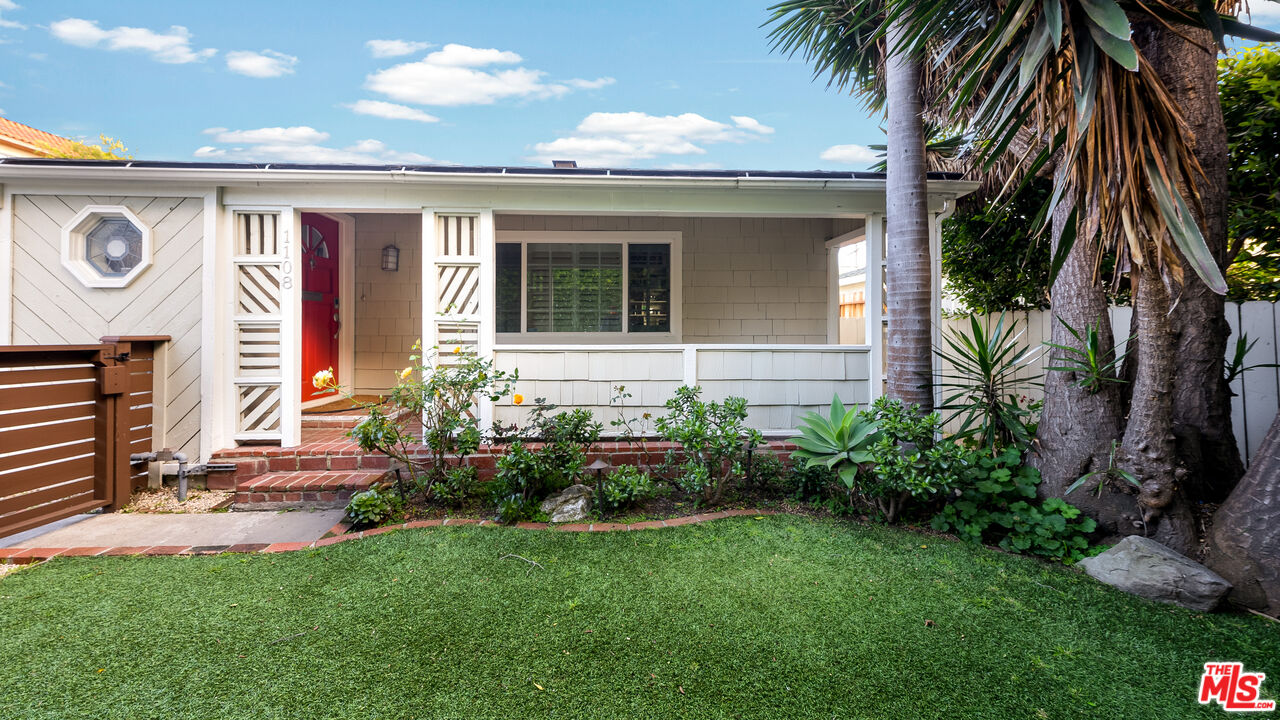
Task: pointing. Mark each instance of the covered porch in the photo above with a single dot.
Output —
(613, 313)
(603, 301)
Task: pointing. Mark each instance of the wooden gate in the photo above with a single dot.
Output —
(70, 415)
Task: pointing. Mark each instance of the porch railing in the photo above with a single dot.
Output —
(780, 382)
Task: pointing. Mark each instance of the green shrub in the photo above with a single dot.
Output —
(370, 507)
(712, 436)
(997, 506)
(765, 470)
(525, 476)
(624, 487)
(908, 462)
(459, 485)
(437, 393)
(809, 483)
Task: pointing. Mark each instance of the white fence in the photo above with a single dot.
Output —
(780, 382)
(1257, 392)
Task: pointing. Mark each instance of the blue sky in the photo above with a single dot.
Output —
(652, 84)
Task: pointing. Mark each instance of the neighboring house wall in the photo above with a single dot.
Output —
(388, 305)
(746, 280)
(50, 306)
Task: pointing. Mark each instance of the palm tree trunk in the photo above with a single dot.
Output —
(1148, 449)
(1201, 397)
(1244, 545)
(909, 351)
(1077, 428)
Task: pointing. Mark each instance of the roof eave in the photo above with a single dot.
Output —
(215, 174)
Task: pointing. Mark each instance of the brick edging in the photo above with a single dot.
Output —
(340, 533)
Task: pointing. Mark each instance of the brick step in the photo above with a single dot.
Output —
(344, 422)
(301, 489)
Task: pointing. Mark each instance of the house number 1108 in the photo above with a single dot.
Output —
(286, 266)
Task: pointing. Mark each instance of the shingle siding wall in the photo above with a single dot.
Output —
(388, 306)
(746, 280)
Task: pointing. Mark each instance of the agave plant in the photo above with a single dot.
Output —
(840, 442)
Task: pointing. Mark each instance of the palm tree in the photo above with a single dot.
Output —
(1061, 87)
(831, 38)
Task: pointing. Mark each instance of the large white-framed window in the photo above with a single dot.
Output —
(577, 286)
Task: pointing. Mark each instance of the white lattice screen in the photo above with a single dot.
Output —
(457, 286)
(257, 320)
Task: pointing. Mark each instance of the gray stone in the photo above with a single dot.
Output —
(1145, 568)
(571, 504)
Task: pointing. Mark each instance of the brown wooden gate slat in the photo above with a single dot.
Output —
(94, 402)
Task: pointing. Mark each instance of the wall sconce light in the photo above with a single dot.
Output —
(391, 258)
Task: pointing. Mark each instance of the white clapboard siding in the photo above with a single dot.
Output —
(583, 378)
(1257, 392)
(50, 306)
(780, 383)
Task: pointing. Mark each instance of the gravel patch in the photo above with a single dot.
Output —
(8, 568)
(166, 501)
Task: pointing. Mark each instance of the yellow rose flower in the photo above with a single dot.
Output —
(518, 399)
(457, 350)
(322, 379)
(405, 373)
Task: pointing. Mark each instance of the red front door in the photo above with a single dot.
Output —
(319, 299)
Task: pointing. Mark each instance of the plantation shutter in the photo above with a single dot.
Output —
(574, 287)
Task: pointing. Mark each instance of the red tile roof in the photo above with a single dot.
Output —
(27, 138)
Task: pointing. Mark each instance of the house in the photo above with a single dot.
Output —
(583, 279)
(18, 140)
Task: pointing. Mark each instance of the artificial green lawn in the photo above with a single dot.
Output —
(770, 618)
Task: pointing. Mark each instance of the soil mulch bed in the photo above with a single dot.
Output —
(165, 500)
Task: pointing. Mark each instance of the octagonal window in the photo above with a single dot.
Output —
(106, 246)
(114, 246)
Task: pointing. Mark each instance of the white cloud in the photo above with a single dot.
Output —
(622, 138)
(10, 24)
(466, 56)
(460, 75)
(298, 145)
(173, 46)
(591, 84)
(395, 48)
(750, 124)
(850, 154)
(390, 111)
(266, 64)
(300, 134)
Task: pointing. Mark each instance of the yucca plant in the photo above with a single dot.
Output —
(987, 374)
(840, 442)
(1093, 363)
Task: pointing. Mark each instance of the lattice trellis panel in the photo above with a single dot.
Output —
(259, 350)
(456, 235)
(256, 234)
(258, 289)
(459, 289)
(257, 320)
(457, 341)
(258, 408)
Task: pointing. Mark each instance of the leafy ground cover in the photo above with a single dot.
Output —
(778, 617)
